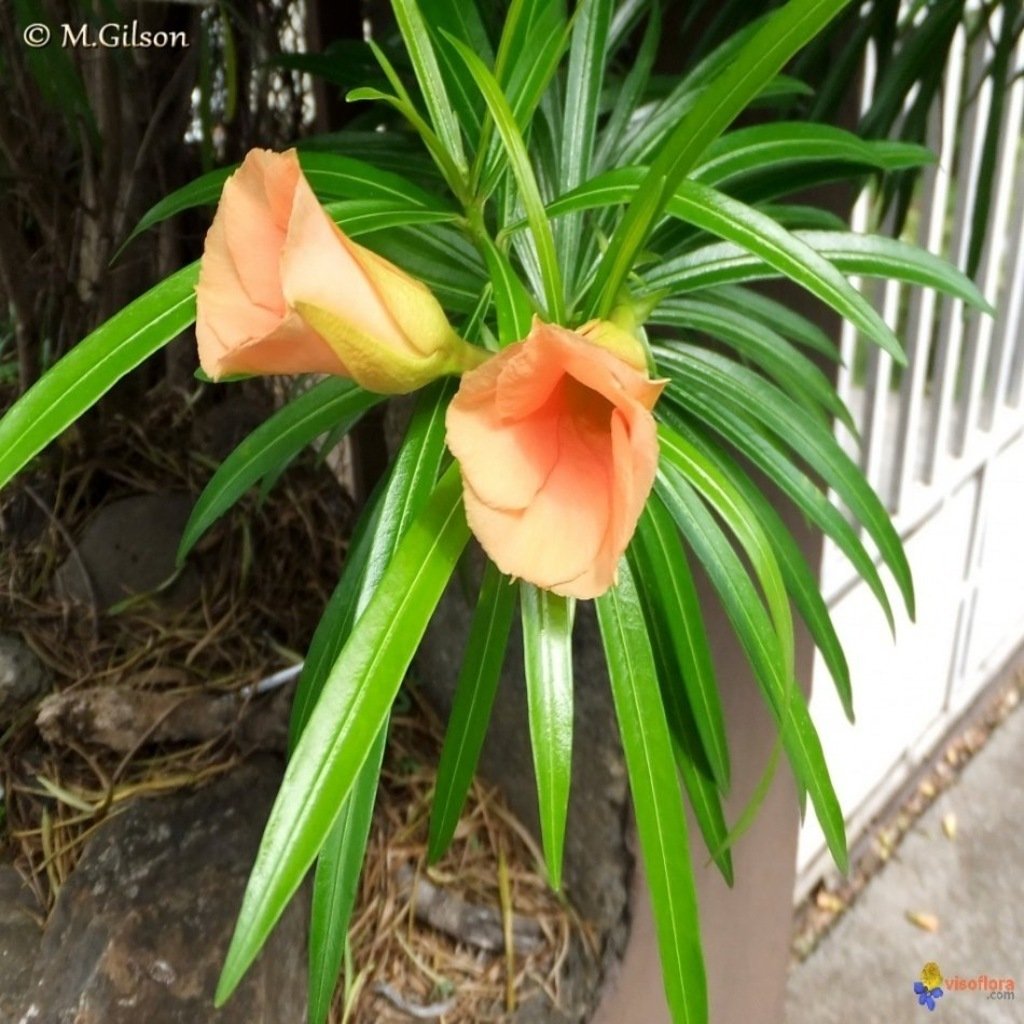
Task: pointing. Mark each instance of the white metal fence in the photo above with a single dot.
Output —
(943, 443)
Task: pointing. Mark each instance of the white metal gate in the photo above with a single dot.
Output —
(943, 443)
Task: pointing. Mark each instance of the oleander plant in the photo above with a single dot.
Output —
(557, 252)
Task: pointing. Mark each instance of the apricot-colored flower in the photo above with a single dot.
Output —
(283, 290)
(558, 450)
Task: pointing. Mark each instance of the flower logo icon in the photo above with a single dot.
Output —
(929, 988)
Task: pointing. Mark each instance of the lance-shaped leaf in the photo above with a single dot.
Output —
(547, 656)
(751, 395)
(760, 643)
(657, 801)
(750, 229)
(273, 444)
(471, 708)
(78, 380)
(761, 57)
(351, 710)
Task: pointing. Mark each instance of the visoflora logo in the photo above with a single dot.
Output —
(983, 983)
(931, 986)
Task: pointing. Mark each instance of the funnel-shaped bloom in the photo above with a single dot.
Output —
(558, 449)
(283, 290)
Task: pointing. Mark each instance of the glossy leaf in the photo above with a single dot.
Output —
(336, 883)
(351, 710)
(547, 657)
(90, 369)
(752, 396)
(584, 78)
(690, 755)
(511, 299)
(730, 505)
(742, 432)
(762, 56)
(657, 801)
(389, 512)
(760, 309)
(331, 403)
(471, 707)
(798, 142)
(519, 163)
(793, 371)
(432, 86)
(757, 636)
(801, 582)
(850, 253)
(742, 225)
(669, 583)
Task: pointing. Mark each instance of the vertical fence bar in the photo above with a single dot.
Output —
(1008, 323)
(951, 325)
(860, 216)
(942, 134)
(991, 266)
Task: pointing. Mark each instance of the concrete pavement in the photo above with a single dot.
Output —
(864, 970)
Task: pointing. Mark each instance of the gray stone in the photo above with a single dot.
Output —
(19, 940)
(220, 428)
(598, 861)
(22, 677)
(865, 968)
(128, 547)
(141, 927)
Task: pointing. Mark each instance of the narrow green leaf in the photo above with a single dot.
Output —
(727, 501)
(630, 91)
(326, 405)
(511, 299)
(760, 309)
(388, 513)
(657, 801)
(784, 143)
(471, 708)
(793, 371)
(850, 253)
(731, 220)
(669, 583)
(450, 170)
(90, 369)
(761, 57)
(336, 883)
(519, 162)
(758, 639)
(350, 713)
(547, 655)
(752, 396)
(746, 436)
(587, 61)
(432, 88)
(801, 581)
(690, 754)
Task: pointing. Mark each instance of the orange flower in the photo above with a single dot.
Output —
(558, 450)
(283, 290)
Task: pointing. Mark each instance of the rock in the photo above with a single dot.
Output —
(221, 427)
(19, 940)
(141, 927)
(22, 677)
(598, 862)
(128, 547)
(123, 718)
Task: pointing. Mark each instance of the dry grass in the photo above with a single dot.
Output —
(266, 572)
